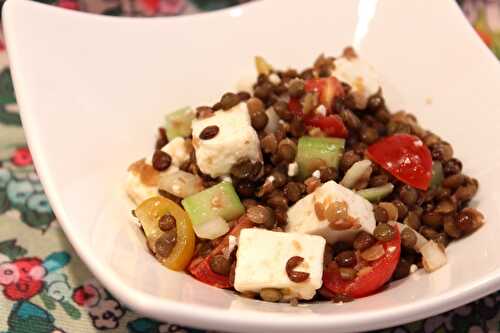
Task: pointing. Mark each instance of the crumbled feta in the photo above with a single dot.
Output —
(302, 216)
(236, 140)
(360, 76)
(272, 121)
(316, 174)
(274, 79)
(179, 150)
(227, 179)
(137, 190)
(293, 169)
(262, 256)
(413, 268)
(321, 110)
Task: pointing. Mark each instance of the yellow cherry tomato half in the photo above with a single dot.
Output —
(149, 213)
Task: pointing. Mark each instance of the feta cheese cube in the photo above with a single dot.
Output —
(360, 76)
(235, 141)
(137, 190)
(302, 217)
(179, 150)
(262, 256)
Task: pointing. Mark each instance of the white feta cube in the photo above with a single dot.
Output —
(235, 141)
(262, 257)
(179, 150)
(137, 190)
(302, 217)
(360, 76)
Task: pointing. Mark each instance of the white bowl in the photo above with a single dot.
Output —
(93, 89)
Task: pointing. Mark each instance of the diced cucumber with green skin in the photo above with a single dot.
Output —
(218, 200)
(375, 194)
(437, 174)
(312, 152)
(178, 123)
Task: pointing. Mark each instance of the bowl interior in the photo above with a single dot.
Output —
(92, 90)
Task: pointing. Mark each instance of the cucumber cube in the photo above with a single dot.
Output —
(178, 123)
(314, 152)
(219, 200)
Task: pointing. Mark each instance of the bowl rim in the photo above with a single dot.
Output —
(206, 316)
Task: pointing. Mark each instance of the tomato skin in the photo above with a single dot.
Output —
(295, 107)
(405, 157)
(331, 125)
(200, 267)
(371, 282)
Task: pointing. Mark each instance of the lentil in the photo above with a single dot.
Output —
(280, 178)
(269, 144)
(243, 95)
(408, 238)
(259, 214)
(296, 88)
(229, 100)
(162, 140)
(451, 228)
(381, 215)
(165, 243)
(287, 150)
(281, 109)
(203, 112)
(363, 241)
(432, 219)
(391, 209)
(327, 173)
(161, 160)
(167, 222)
(350, 119)
(209, 132)
(384, 232)
(402, 269)
(348, 159)
(402, 209)
(453, 181)
(340, 246)
(369, 135)
(294, 190)
(270, 295)
(277, 200)
(246, 169)
(246, 189)
(220, 265)
(412, 220)
(408, 195)
(293, 275)
(346, 259)
(452, 167)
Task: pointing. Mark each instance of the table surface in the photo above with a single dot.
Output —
(59, 294)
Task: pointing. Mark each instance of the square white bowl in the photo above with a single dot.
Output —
(92, 90)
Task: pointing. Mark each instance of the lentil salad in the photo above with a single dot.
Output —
(307, 188)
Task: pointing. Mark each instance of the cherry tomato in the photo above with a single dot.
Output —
(405, 157)
(200, 267)
(367, 284)
(295, 107)
(328, 88)
(331, 125)
(149, 212)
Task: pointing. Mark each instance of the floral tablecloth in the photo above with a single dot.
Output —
(44, 285)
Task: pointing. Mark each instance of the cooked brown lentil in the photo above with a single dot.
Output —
(293, 275)
(165, 243)
(346, 259)
(294, 190)
(246, 189)
(243, 95)
(408, 195)
(269, 143)
(384, 232)
(259, 214)
(245, 169)
(167, 222)
(287, 149)
(432, 219)
(161, 160)
(408, 238)
(379, 180)
(363, 241)
(402, 209)
(161, 140)
(229, 100)
(381, 215)
(391, 209)
(402, 269)
(220, 265)
(270, 295)
(209, 132)
(281, 109)
(412, 220)
(296, 88)
(348, 159)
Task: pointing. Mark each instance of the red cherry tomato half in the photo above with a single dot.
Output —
(328, 88)
(405, 157)
(331, 125)
(295, 107)
(367, 284)
(200, 267)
